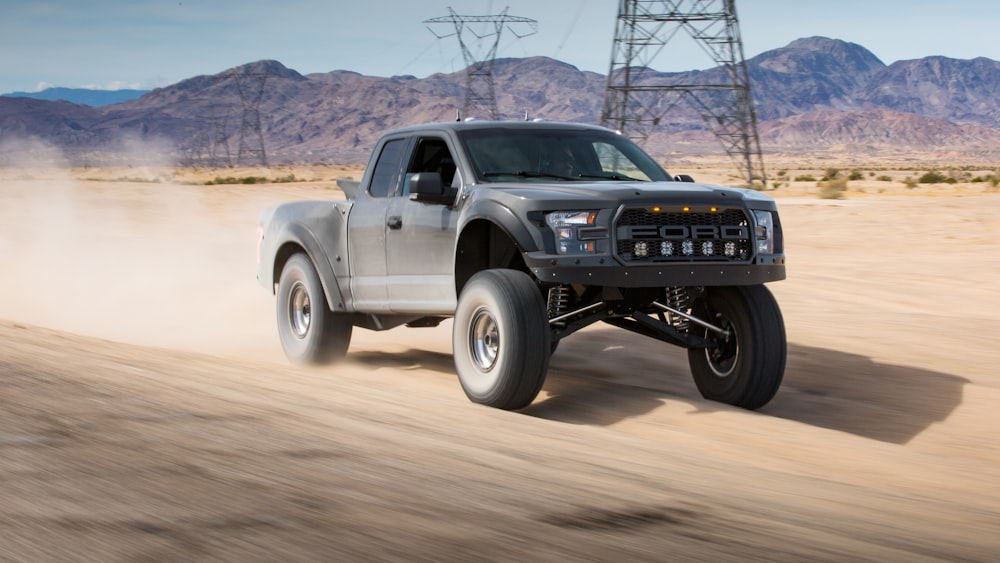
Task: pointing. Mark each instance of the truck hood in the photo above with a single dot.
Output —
(577, 195)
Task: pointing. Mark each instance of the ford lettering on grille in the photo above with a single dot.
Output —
(681, 232)
(651, 235)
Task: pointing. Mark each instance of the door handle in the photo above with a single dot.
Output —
(395, 222)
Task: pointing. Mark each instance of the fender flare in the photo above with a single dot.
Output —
(298, 235)
(526, 238)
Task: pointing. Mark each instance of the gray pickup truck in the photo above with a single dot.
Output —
(524, 233)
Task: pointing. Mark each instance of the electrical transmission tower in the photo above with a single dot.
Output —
(479, 89)
(637, 98)
(211, 146)
(251, 89)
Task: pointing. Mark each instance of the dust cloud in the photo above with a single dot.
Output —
(133, 257)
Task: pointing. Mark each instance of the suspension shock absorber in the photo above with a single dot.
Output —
(558, 301)
(678, 298)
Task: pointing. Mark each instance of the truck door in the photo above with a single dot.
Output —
(367, 228)
(420, 237)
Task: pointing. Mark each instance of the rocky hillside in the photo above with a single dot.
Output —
(810, 95)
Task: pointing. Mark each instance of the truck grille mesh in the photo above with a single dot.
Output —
(644, 235)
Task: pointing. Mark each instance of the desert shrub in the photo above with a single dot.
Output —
(782, 173)
(884, 178)
(219, 180)
(856, 175)
(833, 189)
(909, 182)
(831, 173)
(933, 177)
(805, 178)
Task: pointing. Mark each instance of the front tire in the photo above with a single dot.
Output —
(310, 332)
(744, 369)
(501, 339)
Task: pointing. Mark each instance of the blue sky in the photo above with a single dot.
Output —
(151, 43)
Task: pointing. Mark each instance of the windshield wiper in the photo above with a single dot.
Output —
(611, 176)
(531, 174)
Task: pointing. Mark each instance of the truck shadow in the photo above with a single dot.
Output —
(409, 359)
(592, 380)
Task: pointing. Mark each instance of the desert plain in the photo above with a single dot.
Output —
(147, 412)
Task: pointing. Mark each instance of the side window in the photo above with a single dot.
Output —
(431, 155)
(386, 173)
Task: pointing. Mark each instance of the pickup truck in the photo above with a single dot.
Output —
(524, 233)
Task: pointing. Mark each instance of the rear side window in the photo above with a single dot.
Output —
(386, 173)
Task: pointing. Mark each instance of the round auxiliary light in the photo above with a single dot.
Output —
(641, 249)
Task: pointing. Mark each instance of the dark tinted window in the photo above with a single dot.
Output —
(386, 173)
(432, 155)
(544, 155)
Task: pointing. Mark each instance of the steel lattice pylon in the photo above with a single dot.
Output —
(251, 89)
(211, 146)
(479, 89)
(638, 98)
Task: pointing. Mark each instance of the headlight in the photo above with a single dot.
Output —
(763, 231)
(566, 226)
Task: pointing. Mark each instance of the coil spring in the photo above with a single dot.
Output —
(678, 298)
(558, 301)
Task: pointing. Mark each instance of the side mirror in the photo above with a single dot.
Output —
(428, 187)
(683, 178)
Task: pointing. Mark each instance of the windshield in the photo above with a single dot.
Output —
(546, 155)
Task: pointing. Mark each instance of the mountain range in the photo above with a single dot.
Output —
(85, 96)
(815, 94)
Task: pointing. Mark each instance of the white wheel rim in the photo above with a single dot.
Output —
(299, 310)
(484, 340)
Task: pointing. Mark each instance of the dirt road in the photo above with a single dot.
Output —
(146, 412)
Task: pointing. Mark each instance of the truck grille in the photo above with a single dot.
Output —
(656, 235)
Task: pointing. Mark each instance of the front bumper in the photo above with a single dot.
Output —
(606, 271)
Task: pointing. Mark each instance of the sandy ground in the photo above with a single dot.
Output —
(146, 411)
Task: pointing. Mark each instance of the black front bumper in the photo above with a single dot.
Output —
(606, 271)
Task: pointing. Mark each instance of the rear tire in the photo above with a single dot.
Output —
(501, 339)
(746, 368)
(310, 332)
